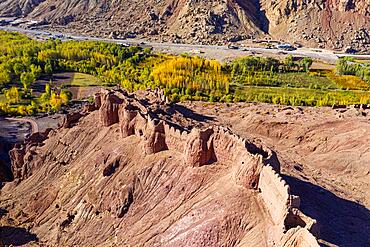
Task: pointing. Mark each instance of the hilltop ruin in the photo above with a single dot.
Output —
(128, 172)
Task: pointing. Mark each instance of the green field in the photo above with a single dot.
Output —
(84, 80)
(316, 88)
(292, 79)
(305, 80)
(301, 96)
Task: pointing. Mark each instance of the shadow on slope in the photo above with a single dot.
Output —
(6, 174)
(189, 113)
(15, 236)
(256, 13)
(342, 222)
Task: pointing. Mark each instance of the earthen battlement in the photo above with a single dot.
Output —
(254, 165)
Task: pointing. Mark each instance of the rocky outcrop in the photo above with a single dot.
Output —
(127, 116)
(154, 137)
(17, 157)
(22, 154)
(254, 165)
(335, 23)
(97, 101)
(296, 218)
(299, 237)
(320, 23)
(199, 148)
(22, 7)
(109, 109)
(70, 119)
(248, 171)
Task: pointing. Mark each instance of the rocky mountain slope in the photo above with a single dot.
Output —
(331, 23)
(148, 174)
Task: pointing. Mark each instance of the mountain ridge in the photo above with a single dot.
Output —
(330, 24)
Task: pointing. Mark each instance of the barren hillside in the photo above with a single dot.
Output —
(332, 24)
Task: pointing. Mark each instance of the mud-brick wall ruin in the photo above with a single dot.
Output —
(275, 193)
(254, 166)
(198, 146)
(282, 206)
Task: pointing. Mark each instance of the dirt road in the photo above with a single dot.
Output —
(222, 53)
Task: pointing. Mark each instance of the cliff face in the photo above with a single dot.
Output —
(138, 178)
(334, 23)
(18, 8)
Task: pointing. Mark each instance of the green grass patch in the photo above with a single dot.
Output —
(84, 80)
(301, 96)
(314, 80)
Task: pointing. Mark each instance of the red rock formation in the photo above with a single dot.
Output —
(109, 109)
(199, 147)
(89, 108)
(248, 170)
(22, 154)
(16, 156)
(97, 100)
(70, 119)
(127, 117)
(298, 237)
(154, 137)
(202, 190)
(296, 218)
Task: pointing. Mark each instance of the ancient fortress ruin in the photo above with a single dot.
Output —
(254, 166)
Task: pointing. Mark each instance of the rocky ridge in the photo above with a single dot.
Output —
(126, 169)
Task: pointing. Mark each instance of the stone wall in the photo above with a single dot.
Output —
(282, 206)
(199, 146)
(175, 137)
(275, 194)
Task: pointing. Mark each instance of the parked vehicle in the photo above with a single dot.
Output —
(286, 47)
(233, 47)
